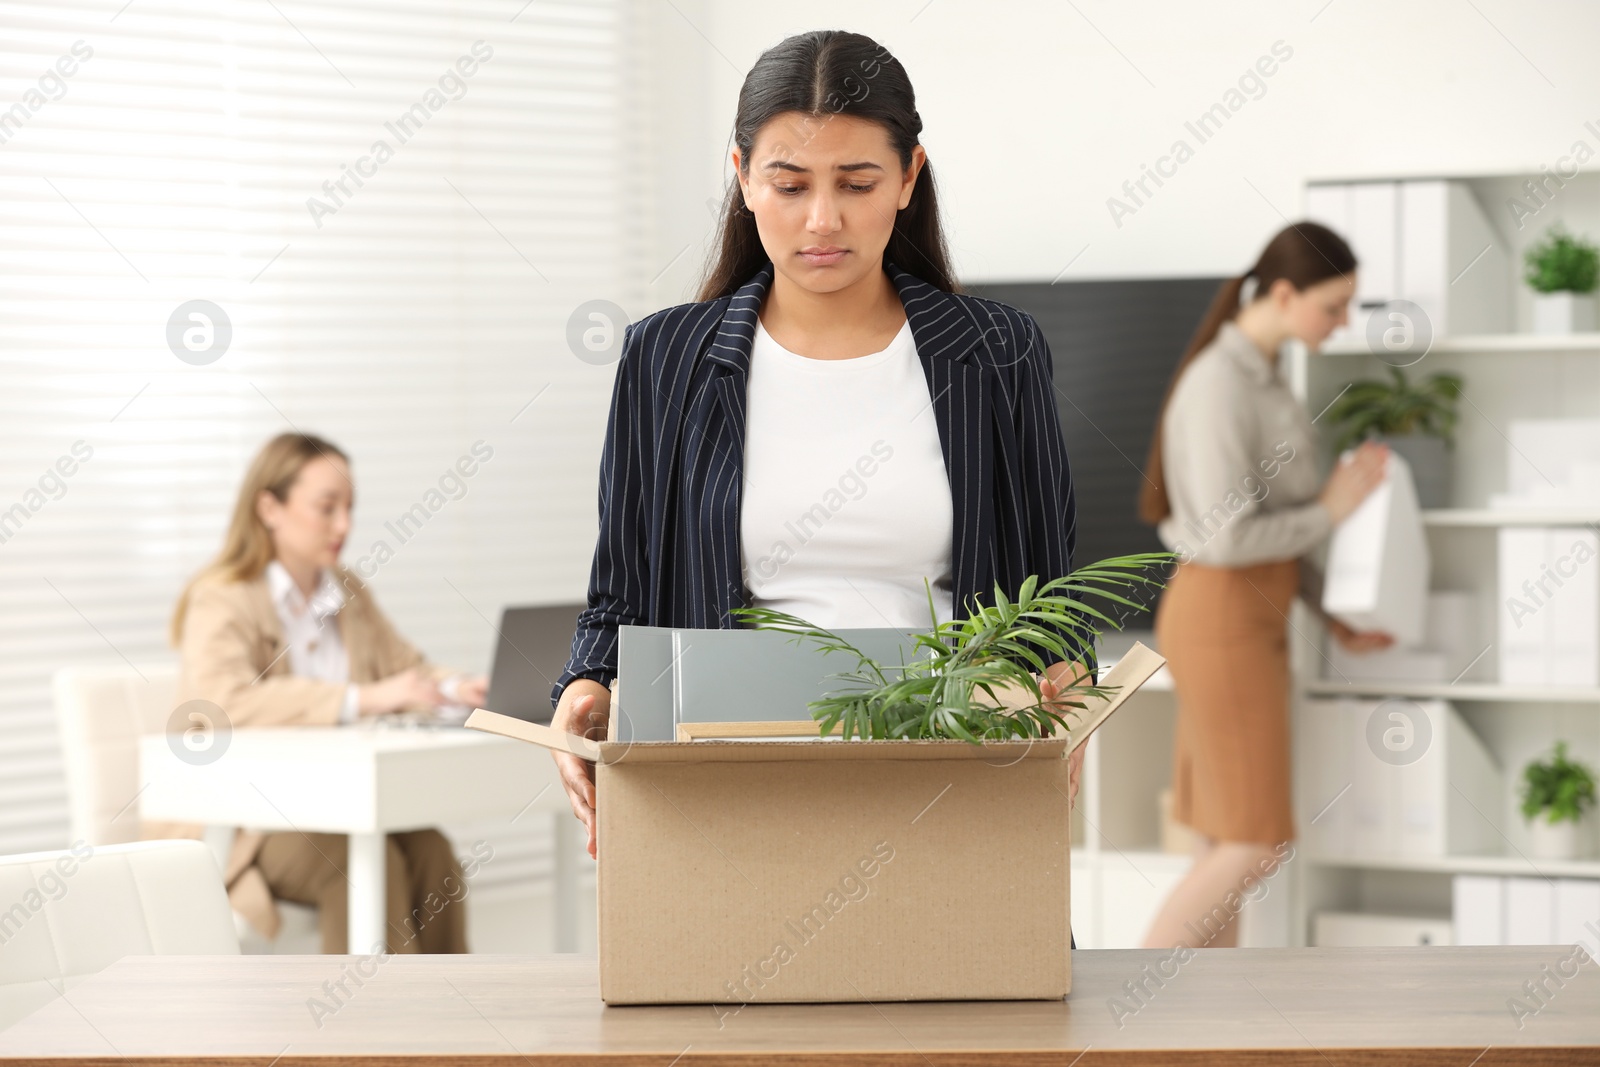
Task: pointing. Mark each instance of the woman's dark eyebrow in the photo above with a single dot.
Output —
(778, 164)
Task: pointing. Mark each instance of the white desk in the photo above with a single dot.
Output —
(367, 781)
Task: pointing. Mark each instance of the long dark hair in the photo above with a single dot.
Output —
(823, 73)
(1303, 253)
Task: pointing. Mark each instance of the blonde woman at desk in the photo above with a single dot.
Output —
(275, 632)
(1233, 487)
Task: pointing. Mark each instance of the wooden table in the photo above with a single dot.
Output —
(1316, 1007)
(367, 781)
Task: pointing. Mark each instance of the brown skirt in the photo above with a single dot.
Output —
(1224, 633)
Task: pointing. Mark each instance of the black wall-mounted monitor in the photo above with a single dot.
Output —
(1114, 345)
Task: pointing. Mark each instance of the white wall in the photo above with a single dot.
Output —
(1036, 111)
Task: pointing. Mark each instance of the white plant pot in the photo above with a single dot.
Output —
(1563, 313)
(1564, 840)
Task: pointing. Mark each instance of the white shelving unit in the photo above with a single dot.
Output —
(1494, 344)
(1477, 692)
(1517, 865)
(1120, 875)
(1517, 375)
(1493, 518)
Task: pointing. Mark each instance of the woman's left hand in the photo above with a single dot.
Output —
(1352, 640)
(1049, 690)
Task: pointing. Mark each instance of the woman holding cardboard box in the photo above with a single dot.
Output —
(1233, 487)
(834, 421)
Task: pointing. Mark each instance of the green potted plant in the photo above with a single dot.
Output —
(1556, 795)
(1416, 420)
(1562, 270)
(996, 651)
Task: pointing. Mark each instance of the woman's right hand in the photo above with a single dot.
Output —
(1359, 641)
(584, 709)
(1353, 481)
(408, 688)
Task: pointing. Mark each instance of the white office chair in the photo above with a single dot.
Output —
(102, 713)
(69, 915)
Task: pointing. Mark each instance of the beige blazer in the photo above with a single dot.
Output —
(233, 655)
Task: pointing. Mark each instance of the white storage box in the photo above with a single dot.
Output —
(1413, 239)
(1551, 464)
(1377, 575)
(1495, 910)
(1355, 929)
(1449, 648)
(1549, 611)
(1478, 909)
(1411, 778)
(1442, 229)
(1530, 911)
(1385, 665)
(1578, 913)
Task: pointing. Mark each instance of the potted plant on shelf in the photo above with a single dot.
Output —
(1556, 795)
(992, 651)
(1416, 420)
(1563, 271)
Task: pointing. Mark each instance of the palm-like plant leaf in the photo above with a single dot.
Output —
(996, 648)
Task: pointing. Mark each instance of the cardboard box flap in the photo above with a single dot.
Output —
(522, 730)
(1136, 667)
(1131, 671)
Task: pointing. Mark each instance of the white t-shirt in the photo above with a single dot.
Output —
(845, 506)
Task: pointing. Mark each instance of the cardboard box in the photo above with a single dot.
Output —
(764, 870)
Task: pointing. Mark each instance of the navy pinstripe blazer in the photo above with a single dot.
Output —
(668, 552)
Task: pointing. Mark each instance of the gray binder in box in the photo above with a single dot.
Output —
(667, 675)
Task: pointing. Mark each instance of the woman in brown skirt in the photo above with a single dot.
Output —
(1233, 486)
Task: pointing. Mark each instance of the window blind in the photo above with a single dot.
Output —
(397, 208)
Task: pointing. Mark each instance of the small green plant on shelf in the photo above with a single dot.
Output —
(1560, 789)
(1397, 408)
(996, 647)
(1562, 263)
